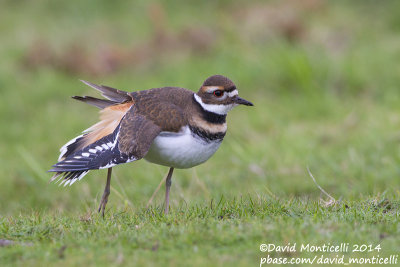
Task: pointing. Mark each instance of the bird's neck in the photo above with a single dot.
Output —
(208, 114)
(207, 121)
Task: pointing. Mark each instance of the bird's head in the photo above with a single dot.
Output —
(219, 95)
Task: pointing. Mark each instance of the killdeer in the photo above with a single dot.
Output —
(169, 126)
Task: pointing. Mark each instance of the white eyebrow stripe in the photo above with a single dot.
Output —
(233, 93)
(210, 89)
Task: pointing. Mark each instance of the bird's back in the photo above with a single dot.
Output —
(156, 103)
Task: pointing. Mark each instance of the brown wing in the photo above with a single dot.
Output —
(136, 134)
(138, 130)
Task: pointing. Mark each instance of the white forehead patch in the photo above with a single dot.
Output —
(215, 108)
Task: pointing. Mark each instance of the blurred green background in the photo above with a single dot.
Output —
(324, 77)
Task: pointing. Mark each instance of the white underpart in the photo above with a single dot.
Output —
(180, 150)
(220, 109)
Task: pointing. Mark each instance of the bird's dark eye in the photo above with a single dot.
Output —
(218, 93)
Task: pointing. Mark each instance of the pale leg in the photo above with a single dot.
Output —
(104, 198)
(168, 183)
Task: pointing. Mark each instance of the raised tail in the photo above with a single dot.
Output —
(112, 110)
(72, 166)
(115, 95)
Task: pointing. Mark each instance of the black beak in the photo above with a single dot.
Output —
(241, 101)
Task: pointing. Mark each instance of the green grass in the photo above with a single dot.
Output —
(226, 231)
(324, 79)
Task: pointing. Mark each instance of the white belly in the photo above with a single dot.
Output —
(180, 150)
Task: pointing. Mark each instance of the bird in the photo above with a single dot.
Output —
(169, 126)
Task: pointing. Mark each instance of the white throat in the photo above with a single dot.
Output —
(215, 108)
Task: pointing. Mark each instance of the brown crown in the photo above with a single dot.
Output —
(216, 82)
(219, 81)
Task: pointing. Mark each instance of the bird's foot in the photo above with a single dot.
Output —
(103, 203)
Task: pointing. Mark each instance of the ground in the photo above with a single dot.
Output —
(324, 79)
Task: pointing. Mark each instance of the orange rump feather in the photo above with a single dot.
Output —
(110, 117)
